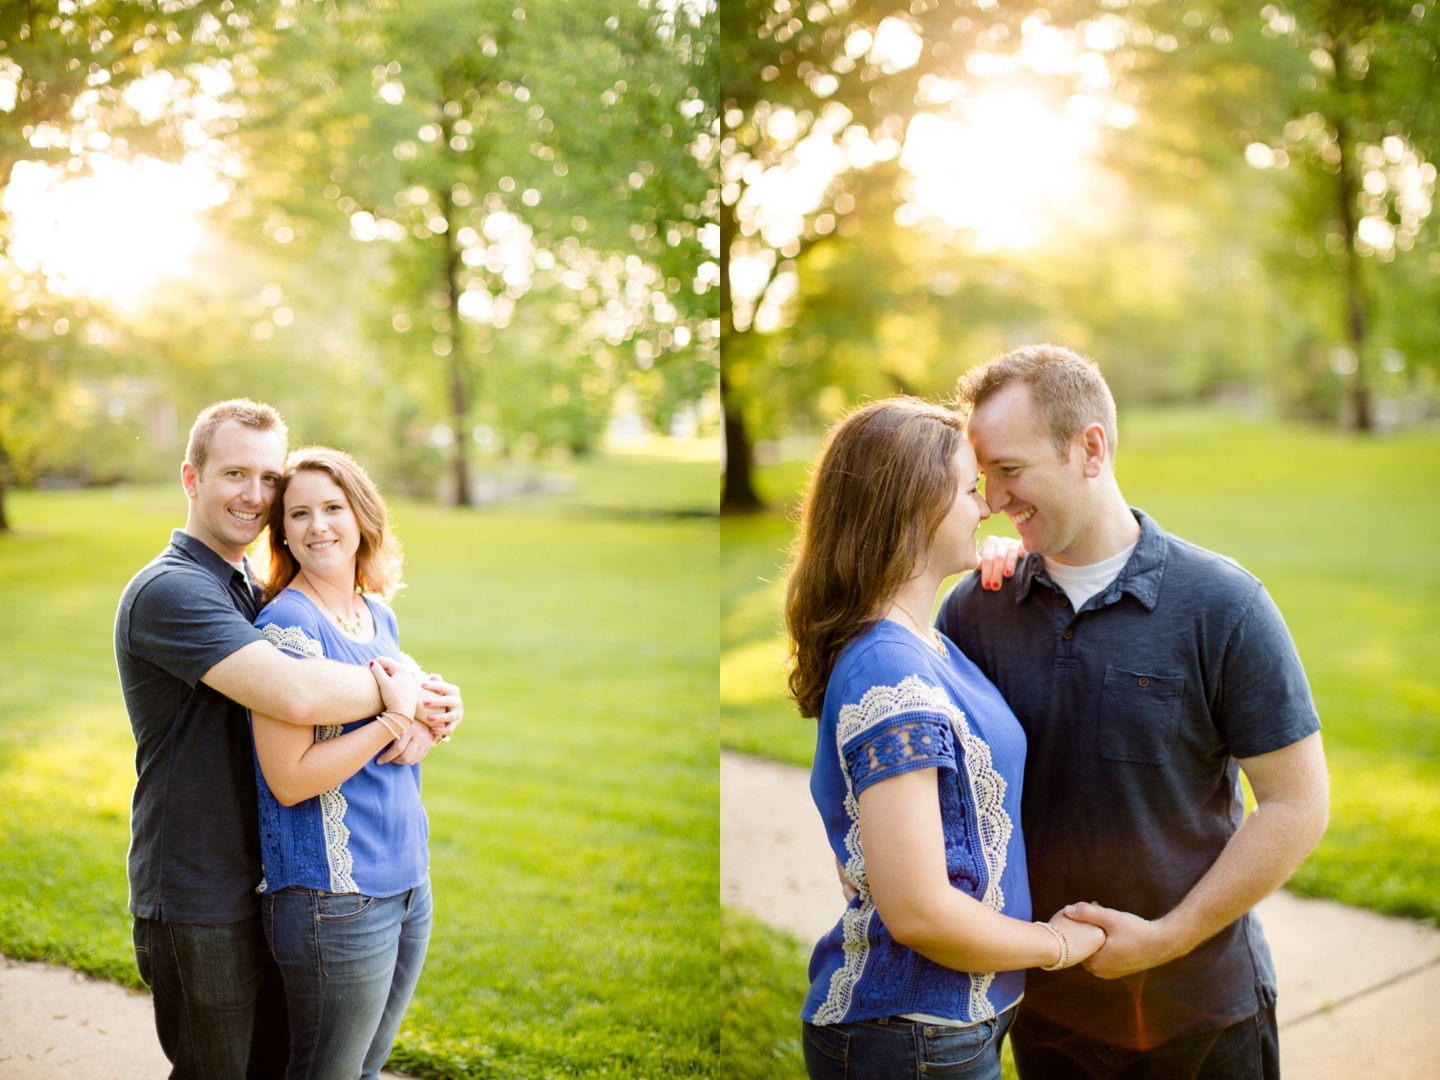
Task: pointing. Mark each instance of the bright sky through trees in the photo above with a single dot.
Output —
(125, 225)
(114, 234)
(992, 157)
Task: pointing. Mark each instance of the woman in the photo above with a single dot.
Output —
(346, 894)
(918, 763)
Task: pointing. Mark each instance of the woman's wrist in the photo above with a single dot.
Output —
(1063, 947)
(394, 722)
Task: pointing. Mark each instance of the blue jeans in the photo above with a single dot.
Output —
(1249, 1050)
(895, 1049)
(350, 964)
(219, 1003)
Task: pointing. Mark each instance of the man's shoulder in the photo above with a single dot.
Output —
(969, 603)
(168, 578)
(1218, 578)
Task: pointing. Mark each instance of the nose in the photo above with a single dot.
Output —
(984, 506)
(995, 495)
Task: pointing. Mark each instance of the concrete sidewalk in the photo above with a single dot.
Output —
(56, 1024)
(1359, 992)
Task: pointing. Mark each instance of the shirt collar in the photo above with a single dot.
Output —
(1140, 577)
(206, 558)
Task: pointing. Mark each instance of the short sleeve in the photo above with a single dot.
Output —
(185, 622)
(292, 627)
(1264, 701)
(894, 719)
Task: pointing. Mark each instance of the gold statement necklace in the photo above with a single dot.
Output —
(354, 629)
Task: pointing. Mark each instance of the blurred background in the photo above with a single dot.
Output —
(449, 233)
(475, 244)
(1228, 205)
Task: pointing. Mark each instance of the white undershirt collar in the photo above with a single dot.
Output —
(1080, 583)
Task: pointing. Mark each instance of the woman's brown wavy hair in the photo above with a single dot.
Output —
(882, 485)
(378, 562)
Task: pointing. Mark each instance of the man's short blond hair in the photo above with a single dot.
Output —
(253, 414)
(1068, 390)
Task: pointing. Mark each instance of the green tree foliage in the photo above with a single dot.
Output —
(1343, 96)
(1239, 155)
(822, 66)
(64, 70)
(494, 148)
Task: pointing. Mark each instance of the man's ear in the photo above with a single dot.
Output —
(188, 479)
(1096, 448)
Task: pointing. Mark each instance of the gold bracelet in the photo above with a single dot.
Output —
(401, 719)
(386, 725)
(1064, 946)
(383, 720)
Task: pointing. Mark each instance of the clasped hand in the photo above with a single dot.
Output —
(1085, 939)
(1130, 943)
(433, 703)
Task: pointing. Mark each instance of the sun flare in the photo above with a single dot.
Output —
(113, 234)
(1005, 171)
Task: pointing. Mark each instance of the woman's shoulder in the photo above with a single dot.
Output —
(384, 615)
(884, 670)
(290, 622)
(884, 655)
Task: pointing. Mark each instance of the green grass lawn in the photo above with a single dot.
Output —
(574, 834)
(1341, 529)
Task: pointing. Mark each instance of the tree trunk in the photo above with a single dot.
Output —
(459, 383)
(738, 495)
(1356, 322)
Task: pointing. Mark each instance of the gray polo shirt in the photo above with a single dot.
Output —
(1135, 708)
(194, 822)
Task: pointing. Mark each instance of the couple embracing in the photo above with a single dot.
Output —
(1064, 740)
(279, 870)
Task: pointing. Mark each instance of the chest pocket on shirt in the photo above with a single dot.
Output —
(1139, 715)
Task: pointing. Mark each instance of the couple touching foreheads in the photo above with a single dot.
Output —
(1064, 740)
(279, 872)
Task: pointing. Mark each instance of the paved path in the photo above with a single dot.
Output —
(56, 1024)
(1359, 992)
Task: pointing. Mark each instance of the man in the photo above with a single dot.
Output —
(1144, 670)
(191, 663)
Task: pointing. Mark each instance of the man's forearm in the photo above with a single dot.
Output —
(1269, 846)
(339, 693)
(304, 692)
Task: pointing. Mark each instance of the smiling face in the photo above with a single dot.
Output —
(1049, 500)
(229, 497)
(320, 527)
(953, 551)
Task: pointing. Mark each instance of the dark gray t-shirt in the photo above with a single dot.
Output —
(194, 822)
(1135, 709)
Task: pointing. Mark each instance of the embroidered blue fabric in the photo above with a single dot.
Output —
(370, 834)
(895, 705)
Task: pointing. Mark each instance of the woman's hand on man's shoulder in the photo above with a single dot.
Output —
(999, 556)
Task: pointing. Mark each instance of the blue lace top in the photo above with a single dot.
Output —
(369, 834)
(894, 705)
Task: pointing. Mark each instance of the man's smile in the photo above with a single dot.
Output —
(1023, 516)
(243, 516)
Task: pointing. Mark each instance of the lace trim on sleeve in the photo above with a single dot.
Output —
(292, 639)
(904, 744)
(883, 709)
